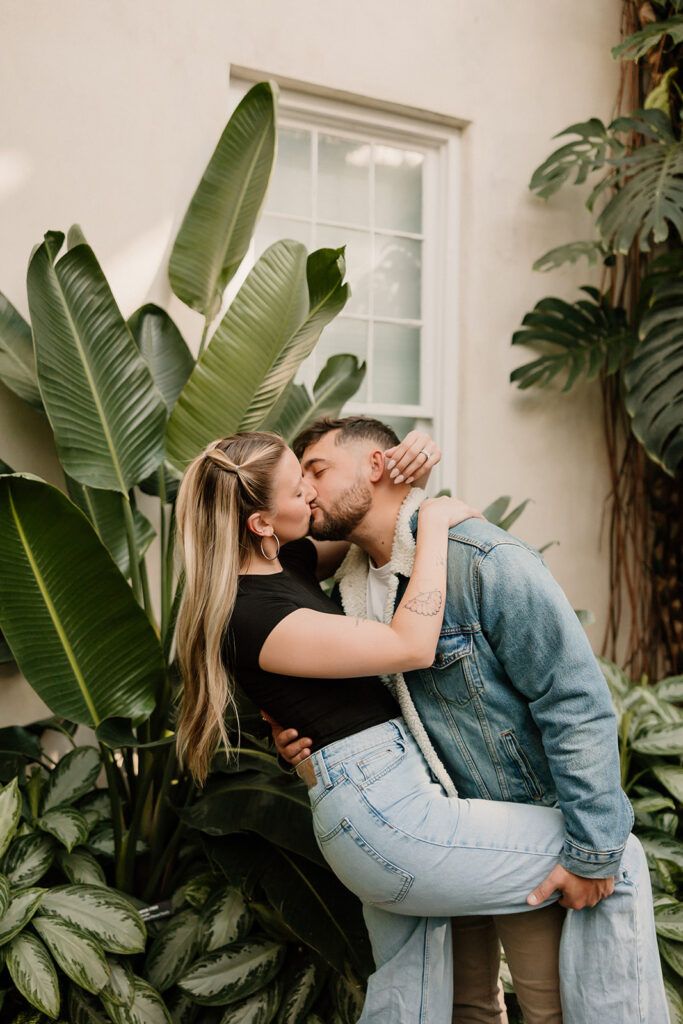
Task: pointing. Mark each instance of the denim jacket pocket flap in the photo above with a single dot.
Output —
(451, 647)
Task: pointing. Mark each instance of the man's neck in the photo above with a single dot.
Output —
(375, 534)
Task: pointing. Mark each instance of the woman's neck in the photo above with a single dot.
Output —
(256, 565)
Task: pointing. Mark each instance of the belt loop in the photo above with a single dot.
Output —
(318, 759)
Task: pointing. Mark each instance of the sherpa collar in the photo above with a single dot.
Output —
(352, 577)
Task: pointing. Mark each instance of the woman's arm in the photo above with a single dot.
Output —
(314, 644)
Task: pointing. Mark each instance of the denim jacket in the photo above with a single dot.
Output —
(515, 706)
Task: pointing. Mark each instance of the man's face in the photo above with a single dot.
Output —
(337, 472)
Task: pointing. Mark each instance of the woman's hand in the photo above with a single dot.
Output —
(413, 459)
(451, 510)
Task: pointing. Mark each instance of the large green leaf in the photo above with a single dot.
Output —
(636, 45)
(76, 630)
(273, 806)
(173, 950)
(105, 511)
(233, 973)
(17, 363)
(594, 253)
(107, 415)
(28, 858)
(339, 379)
(325, 271)
(80, 957)
(10, 812)
(217, 228)
(103, 914)
(18, 741)
(22, 907)
(33, 972)
(164, 350)
(586, 336)
(225, 918)
(75, 774)
(654, 377)
(266, 313)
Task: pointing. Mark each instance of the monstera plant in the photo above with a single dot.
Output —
(125, 894)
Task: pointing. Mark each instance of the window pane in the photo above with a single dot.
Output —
(344, 335)
(397, 277)
(358, 262)
(271, 229)
(290, 187)
(398, 189)
(396, 364)
(402, 425)
(343, 180)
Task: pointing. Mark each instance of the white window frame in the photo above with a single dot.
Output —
(301, 105)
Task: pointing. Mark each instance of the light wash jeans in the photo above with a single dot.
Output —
(404, 848)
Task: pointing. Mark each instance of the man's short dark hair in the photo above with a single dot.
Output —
(351, 428)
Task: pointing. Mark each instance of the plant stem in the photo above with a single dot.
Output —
(127, 874)
(133, 555)
(202, 343)
(163, 539)
(115, 802)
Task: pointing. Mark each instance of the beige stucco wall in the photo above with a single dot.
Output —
(110, 109)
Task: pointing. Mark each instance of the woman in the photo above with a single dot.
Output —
(252, 609)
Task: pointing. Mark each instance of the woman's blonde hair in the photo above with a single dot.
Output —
(221, 488)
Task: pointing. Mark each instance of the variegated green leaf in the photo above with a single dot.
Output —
(663, 740)
(92, 817)
(97, 800)
(10, 812)
(672, 952)
(181, 1008)
(83, 1009)
(28, 858)
(257, 1009)
(660, 846)
(225, 919)
(670, 688)
(81, 958)
(33, 972)
(670, 776)
(120, 989)
(348, 999)
(66, 824)
(669, 921)
(147, 1007)
(675, 1003)
(74, 775)
(301, 993)
(80, 867)
(651, 804)
(101, 913)
(101, 840)
(173, 950)
(4, 894)
(232, 973)
(21, 909)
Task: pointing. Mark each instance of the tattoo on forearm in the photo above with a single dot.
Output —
(427, 603)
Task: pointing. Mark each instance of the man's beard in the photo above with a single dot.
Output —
(350, 509)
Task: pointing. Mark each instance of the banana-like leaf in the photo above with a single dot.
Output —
(232, 973)
(80, 867)
(79, 636)
(258, 1009)
(587, 336)
(28, 858)
(74, 775)
(164, 350)
(217, 228)
(81, 958)
(173, 950)
(274, 807)
(339, 379)
(266, 313)
(17, 362)
(66, 824)
(15, 740)
(22, 907)
(4, 894)
(103, 914)
(579, 157)
(654, 377)
(636, 45)
(662, 740)
(225, 918)
(325, 271)
(593, 252)
(106, 413)
(33, 972)
(10, 813)
(118, 732)
(105, 511)
(648, 197)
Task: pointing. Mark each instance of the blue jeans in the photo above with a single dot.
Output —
(408, 851)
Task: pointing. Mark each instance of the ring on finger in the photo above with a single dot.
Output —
(423, 451)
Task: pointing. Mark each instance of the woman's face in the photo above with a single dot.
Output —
(292, 496)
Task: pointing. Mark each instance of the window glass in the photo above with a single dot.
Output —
(291, 186)
(396, 364)
(398, 189)
(343, 181)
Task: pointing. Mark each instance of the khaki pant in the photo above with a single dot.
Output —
(531, 943)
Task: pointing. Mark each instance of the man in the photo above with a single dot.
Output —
(513, 708)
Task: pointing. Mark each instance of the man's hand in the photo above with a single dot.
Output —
(577, 892)
(289, 746)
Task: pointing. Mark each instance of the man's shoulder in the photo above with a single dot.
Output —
(478, 536)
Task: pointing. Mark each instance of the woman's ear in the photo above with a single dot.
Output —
(258, 524)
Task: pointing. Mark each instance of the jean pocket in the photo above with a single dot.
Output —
(374, 764)
(363, 870)
(522, 764)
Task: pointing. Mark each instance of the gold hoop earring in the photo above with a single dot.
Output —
(271, 558)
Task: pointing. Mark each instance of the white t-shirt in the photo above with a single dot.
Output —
(378, 585)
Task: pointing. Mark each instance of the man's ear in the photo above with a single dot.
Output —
(377, 465)
(259, 525)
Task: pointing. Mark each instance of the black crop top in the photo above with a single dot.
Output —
(324, 709)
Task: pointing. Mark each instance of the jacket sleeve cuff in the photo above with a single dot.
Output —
(590, 863)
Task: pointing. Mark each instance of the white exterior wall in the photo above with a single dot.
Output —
(111, 108)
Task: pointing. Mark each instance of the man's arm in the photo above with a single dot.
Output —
(538, 639)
